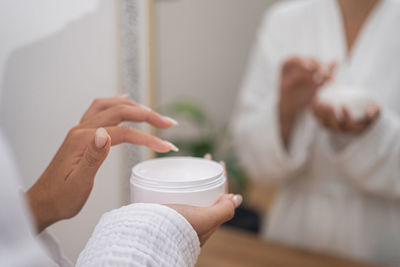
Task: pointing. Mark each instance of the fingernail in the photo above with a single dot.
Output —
(171, 120)
(101, 137)
(208, 156)
(172, 146)
(124, 96)
(145, 107)
(237, 200)
(222, 163)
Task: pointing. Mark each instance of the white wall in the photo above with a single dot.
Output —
(47, 86)
(202, 48)
(23, 22)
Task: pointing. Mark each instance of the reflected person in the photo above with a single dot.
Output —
(339, 179)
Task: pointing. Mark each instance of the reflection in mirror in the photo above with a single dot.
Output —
(305, 164)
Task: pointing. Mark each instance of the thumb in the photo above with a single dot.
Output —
(95, 154)
(224, 209)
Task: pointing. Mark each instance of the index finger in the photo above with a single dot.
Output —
(115, 115)
(224, 209)
(372, 111)
(101, 104)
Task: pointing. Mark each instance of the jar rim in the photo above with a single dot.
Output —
(210, 181)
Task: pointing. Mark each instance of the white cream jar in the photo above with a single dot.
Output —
(356, 100)
(177, 180)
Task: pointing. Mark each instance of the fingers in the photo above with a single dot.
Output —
(205, 220)
(226, 176)
(327, 116)
(117, 114)
(372, 112)
(310, 64)
(208, 156)
(348, 124)
(332, 68)
(309, 68)
(93, 157)
(305, 72)
(224, 209)
(127, 134)
(100, 104)
(326, 73)
(354, 126)
(330, 117)
(296, 68)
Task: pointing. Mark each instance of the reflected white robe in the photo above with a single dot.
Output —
(343, 200)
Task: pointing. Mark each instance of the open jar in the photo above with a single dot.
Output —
(177, 180)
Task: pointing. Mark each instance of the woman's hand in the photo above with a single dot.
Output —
(327, 117)
(300, 81)
(65, 185)
(205, 221)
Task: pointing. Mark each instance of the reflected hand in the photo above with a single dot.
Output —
(327, 117)
(65, 185)
(300, 81)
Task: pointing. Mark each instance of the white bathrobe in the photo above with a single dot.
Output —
(343, 199)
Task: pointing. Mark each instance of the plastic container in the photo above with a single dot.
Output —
(354, 99)
(177, 180)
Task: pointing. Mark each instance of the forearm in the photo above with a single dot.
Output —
(286, 123)
(42, 208)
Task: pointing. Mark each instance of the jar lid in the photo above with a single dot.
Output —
(178, 173)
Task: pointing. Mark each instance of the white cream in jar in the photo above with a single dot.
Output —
(356, 100)
(177, 180)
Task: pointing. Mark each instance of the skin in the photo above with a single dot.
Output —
(355, 13)
(327, 117)
(64, 187)
(206, 220)
(300, 81)
(298, 92)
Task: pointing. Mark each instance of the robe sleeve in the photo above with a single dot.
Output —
(18, 246)
(372, 160)
(141, 235)
(256, 127)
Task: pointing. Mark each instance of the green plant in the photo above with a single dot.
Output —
(209, 139)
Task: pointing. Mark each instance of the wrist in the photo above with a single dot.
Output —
(286, 120)
(41, 206)
(286, 110)
(286, 116)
